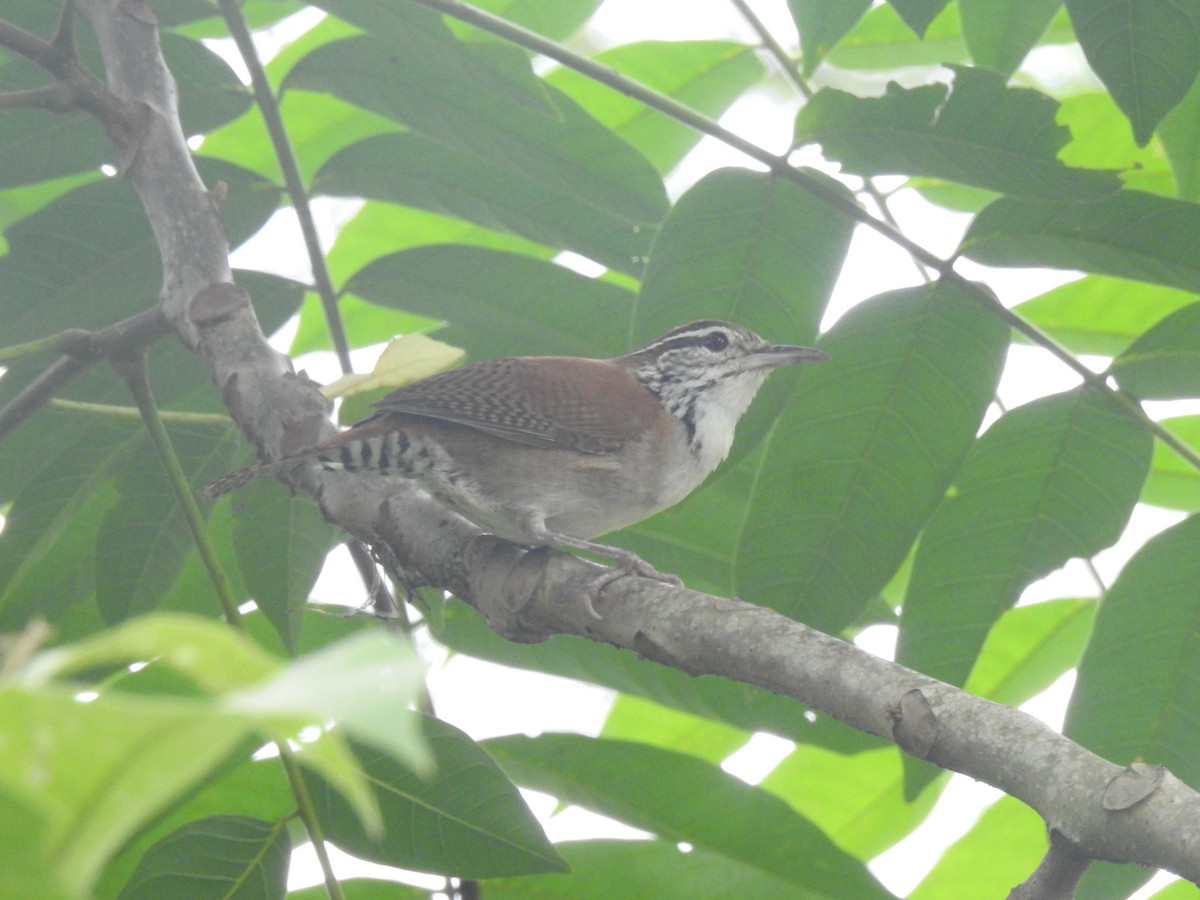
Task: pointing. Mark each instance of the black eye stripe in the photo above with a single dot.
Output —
(707, 341)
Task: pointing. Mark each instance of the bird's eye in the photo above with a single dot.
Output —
(716, 341)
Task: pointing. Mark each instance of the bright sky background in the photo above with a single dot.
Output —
(486, 700)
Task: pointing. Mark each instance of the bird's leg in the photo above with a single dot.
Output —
(627, 562)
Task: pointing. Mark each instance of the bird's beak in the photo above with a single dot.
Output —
(776, 355)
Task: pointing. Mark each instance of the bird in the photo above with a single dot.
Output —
(557, 450)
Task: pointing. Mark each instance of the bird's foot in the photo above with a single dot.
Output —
(628, 563)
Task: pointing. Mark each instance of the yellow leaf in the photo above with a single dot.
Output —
(404, 360)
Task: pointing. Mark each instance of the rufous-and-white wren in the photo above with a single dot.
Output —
(556, 450)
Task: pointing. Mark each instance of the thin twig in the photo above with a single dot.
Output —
(83, 349)
(232, 12)
(792, 73)
(63, 42)
(50, 97)
(381, 600)
(781, 55)
(833, 197)
(58, 58)
(308, 815)
(36, 394)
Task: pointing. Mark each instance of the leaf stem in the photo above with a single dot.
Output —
(132, 369)
(308, 815)
(129, 412)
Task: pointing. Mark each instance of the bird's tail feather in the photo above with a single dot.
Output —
(241, 477)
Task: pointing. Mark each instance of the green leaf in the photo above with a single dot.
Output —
(918, 14)
(822, 23)
(484, 104)
(17, 203)
(36, 146)
(25, 854)
(414, 170)
(358, 683)
(1164, 363)
(213, 656)
(1105, 879)
(999, 35)
(467, 819)
(634, 719)
(1180, 136)
(1147, 54)
(502, 304)
(1147, 625)
(603, 869)
(1009, 835)
(382, 228)
(673, 795)
(222, 857)
(882, 41)
(48, 550)
(981, 133)
(1129, 235)
(745, 246)
(1178, 890)
(59, 472)
(857, 800)
(144, 539)
(256, 789)
(706, 76)
(866, 451)
(952, 195)
(364, 889)
(1051, 480)
(362, 682)
(199, 18)
(1028, 648)
(1101, 315)
(557, 19)
(1174, 483)
(95, 242)
(210, 93)
(47, 547)
(141, 755)
(318, 126)
(1100, 139)
(280, 561)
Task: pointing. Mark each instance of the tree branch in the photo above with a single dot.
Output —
(58, 57)
(50, 97)
(1057, 876)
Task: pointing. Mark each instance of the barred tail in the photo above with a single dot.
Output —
(241, 477)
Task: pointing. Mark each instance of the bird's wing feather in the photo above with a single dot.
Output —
(584, 405)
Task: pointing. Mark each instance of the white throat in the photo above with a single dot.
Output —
(716, 414)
